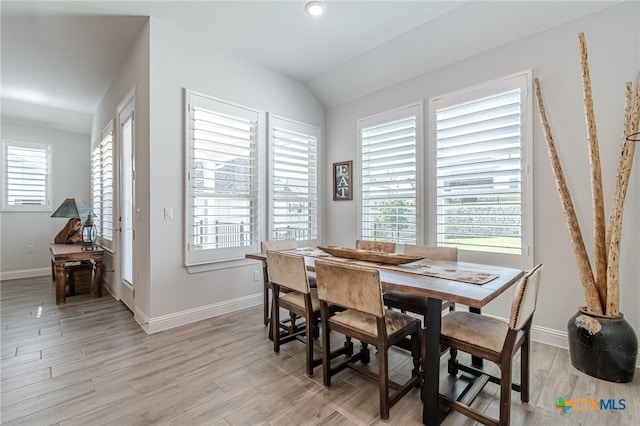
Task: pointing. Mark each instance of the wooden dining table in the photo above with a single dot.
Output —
(436, 290)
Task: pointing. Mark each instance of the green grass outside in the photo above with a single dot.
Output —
(507, 245)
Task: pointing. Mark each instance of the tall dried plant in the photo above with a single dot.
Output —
(602, 291)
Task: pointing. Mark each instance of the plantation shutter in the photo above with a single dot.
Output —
(102, 188)
(222, 179)
(26, 176)
(294, 180)
(388, 177)
(479, 184)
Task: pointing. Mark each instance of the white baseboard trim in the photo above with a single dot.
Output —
(550, 336)
(24, 273)
(165, 322)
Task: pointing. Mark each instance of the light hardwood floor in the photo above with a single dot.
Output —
(87, 362)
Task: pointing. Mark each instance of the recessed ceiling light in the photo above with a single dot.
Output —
(315, 8)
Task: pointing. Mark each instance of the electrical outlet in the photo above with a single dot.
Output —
(30, 248)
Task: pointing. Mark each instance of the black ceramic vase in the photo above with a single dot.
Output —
(603, 347)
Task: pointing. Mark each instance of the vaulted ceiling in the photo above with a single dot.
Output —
(64, 54)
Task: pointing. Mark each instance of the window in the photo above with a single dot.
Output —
(102, 187)
(293, 181)
(388, 180)
(26, 176)
(222, 180)
(481, 189)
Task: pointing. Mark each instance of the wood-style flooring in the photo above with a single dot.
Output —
(87, 362)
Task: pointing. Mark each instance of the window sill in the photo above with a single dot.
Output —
(216, 266)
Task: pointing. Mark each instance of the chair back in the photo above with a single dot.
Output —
(524, 301)
(381, 246)
(432, 252)
(288, 270)
(349, 286)
(277, 245)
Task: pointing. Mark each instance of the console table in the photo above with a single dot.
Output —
(62, 254)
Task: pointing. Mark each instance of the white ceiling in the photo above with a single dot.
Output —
(64, 54)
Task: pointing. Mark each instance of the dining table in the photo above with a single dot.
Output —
(442, 285)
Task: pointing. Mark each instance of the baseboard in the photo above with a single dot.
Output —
(24, 273)
(165, 322)
(550, 336)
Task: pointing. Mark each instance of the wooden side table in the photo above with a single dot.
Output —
(65, 253)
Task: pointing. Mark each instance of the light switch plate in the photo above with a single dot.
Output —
(168, 212)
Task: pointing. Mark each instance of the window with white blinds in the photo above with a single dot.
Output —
(102, 188)
(388, 181)
(26, 176)
(293, 203)
(480, 167)
(222, 179)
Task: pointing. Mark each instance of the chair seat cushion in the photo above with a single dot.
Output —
(296, 298)
(475, 329)
(366, 323)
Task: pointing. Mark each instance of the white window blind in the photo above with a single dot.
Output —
(222, 180)
(479, 172)
(102, 188)
(294, 180)
(26, 176)
(389, 176)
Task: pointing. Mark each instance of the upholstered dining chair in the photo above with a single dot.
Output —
(382, 246)
(414, 303)
(288, 271)
(358, 290)
(496, 341)
(264, 247)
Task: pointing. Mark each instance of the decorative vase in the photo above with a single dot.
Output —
(603, 347)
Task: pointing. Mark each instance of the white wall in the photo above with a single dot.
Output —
(180, 61)
(70, 179)
(614, 54)
(132, 76)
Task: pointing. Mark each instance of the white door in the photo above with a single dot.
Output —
(126, 202)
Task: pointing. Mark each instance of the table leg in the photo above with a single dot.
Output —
(61, 281)
(431, 363)
(97, 280)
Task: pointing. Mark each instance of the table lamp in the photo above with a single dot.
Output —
(75, 209)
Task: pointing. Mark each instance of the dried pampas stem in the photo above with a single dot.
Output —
(584, 266)
(599, 225)
(627, 151)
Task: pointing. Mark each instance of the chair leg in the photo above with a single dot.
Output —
(292, 324)
(275, 323)
(308, 341)
(525, 354)
(365, 356)
(416, 349)
(267, 287)
(505, 391)
(266, 304)
(383, 372)
(348, 344)
(326, 353)
(452, 364)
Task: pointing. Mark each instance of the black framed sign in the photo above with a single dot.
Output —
(342, 182)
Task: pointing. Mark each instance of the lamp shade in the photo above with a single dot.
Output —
(73, 208)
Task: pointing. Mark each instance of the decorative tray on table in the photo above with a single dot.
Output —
(370, 255)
